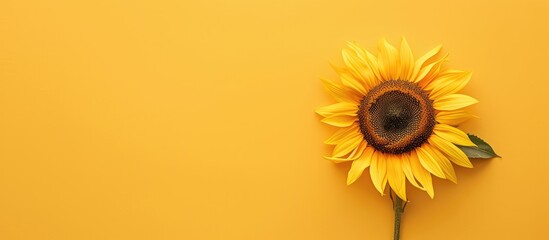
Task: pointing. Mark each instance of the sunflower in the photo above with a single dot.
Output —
(398, 115)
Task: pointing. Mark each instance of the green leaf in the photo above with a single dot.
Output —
(483, 149)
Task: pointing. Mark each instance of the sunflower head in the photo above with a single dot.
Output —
(398, 116)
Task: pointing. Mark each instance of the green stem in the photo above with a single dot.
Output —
(399, 210)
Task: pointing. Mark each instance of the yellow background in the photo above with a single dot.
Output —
(194, 119)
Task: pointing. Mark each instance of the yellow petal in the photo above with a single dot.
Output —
(347, 145)
(443, 162)
(422, 60)
(406, 60)
(446, 75)
(388, 60)
(354, 63)
(352, 82)
(339, 93)
(341, 108)
(339, 159)
(359, 165)
(355, 154)
(454, 153)
(340, 120)
(430, 72)
(428, 162)
(369, 76)
(452, 134)
(453, 118)
(395, 176)
(378, 171)
(407, 169)
(421, 174)
(342, 133)
(453, 102)
(359, 150)
(447, 83)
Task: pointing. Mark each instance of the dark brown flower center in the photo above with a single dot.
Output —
(396, 116)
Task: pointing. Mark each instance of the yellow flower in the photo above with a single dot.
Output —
(398, 115)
